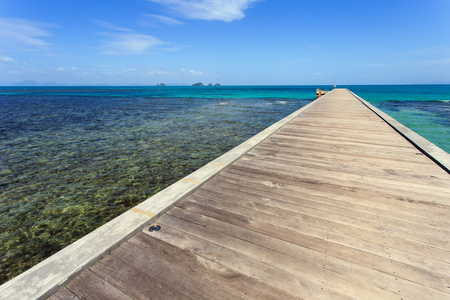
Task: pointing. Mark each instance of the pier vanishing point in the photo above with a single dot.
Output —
(336, 201)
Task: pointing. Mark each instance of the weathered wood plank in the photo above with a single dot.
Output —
(89, 286)
(438, 272)
(334, 135)
(288, 242)
(363, 159)
(296, 201)
(186, 283)
(279, 169)
(235, 283)
(335, 191)
(63, 294)
(224, 250)
(137, 284)
(375, 175)
(351, 142)
(352, 165)
(359, 151)
(438, 237)
(356, 240)
(275, 216)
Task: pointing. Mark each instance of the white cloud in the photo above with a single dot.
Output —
(111, 26)
(130, 43)
(151, 20)
(21, 34)
(161, 73)
(125, 41)
(192, 72)
(323, 74)
(7, 59)
(62, 69)
(300, 60)
(222, 10)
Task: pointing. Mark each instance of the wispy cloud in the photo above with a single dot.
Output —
(22, 34)
(111, 26)
(154, 20)
(300, 60)
(192, 72)
(125, 41)
(130, 43)
(62, 69)
(221, 10)
(161, 72)
(7, 59)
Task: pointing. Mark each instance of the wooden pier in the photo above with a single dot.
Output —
(335, 204)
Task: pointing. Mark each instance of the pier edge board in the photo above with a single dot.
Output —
(45, 278)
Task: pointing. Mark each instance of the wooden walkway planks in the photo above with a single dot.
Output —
(334, 205)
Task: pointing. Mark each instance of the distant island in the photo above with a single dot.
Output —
(160, 84)
(201, 84)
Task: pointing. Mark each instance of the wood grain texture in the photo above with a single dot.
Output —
(88, 285)
(64, 294)
(334, 205)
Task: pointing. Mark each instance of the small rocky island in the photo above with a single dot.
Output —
(201, 84)
(160, 84)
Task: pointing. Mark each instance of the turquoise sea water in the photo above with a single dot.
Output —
(73, 158)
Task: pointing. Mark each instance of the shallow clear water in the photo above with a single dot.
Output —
(72, 159)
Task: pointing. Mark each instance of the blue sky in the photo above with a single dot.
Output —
(232, 42)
